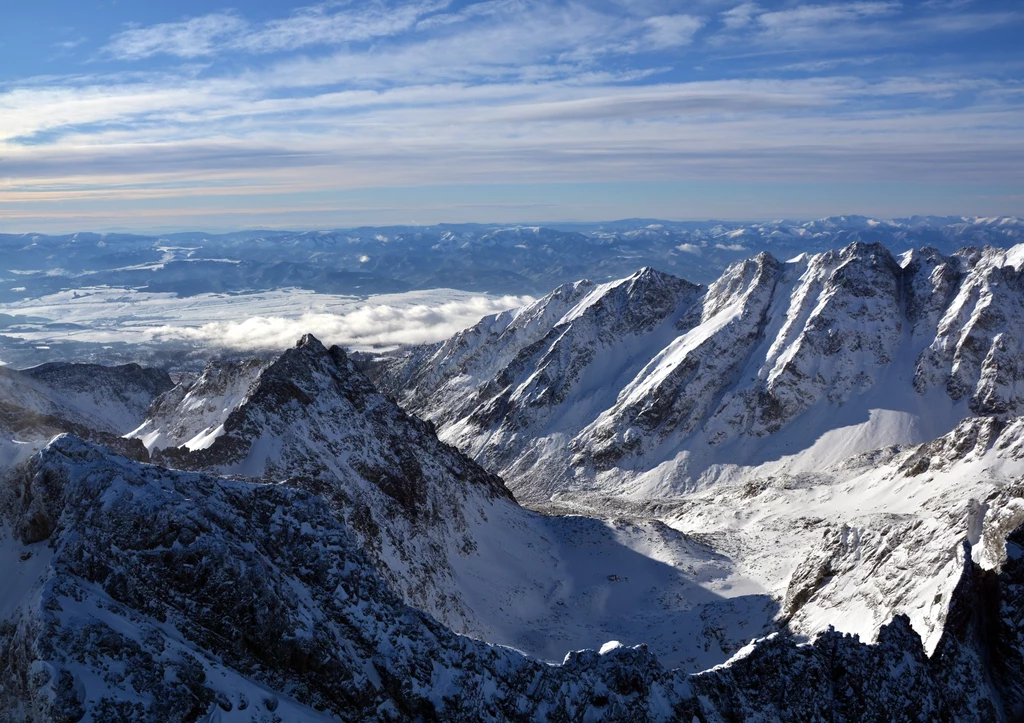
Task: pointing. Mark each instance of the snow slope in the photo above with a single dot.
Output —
(828, 355)
(445, 534)
(881, 534)
(160, 595)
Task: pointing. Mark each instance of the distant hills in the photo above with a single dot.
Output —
(472, 257)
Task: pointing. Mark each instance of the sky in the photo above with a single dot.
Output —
(158, 116)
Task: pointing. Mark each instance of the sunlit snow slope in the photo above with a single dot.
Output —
(775, 414)
(651, 386)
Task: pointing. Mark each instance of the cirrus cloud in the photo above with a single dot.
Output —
(326, 98)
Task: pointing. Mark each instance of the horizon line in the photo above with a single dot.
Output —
(213, 231)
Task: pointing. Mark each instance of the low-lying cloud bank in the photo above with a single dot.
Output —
(369, 325)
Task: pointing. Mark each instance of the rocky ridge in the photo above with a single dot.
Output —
(444, 534)
(770, 350)
(155, 594)
(311, 417)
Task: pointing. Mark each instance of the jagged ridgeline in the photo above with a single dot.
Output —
(659, 384)
(804, 484)
(171, 596)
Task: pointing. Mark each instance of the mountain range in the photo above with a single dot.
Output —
(472, 257)
(792, 493)
(772, 410)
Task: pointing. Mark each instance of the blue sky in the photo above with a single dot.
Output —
(126, 114)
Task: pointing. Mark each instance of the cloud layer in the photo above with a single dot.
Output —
(369, 325)
(223, 114)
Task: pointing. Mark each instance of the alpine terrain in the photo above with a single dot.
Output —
(795, 493)
(843, 427)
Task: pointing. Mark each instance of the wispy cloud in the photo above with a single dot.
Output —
(190, 38)
(872, 23)
(357, 95)
(69, 44)
(323, 24)
(741, 16)
(670, 31)
(808, 23)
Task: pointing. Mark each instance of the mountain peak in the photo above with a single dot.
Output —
(650, 275)
(647, 272)
(862, 249)
(311, 419)
(308, 341)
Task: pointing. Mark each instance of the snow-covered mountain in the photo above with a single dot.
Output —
(792, 494)
(93, 401)
(778, 415)
(140, 593)
(309, 416)
(193, 412)
(652, 386)
(445, 534)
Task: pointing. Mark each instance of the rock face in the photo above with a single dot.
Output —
(670, 388)
(192, 414)
(975, 352)
(530, 378)
(158, 595)
(311, 417)
(444, 534)
(97, 402)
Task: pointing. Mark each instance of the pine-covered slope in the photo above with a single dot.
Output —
(472, 257)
